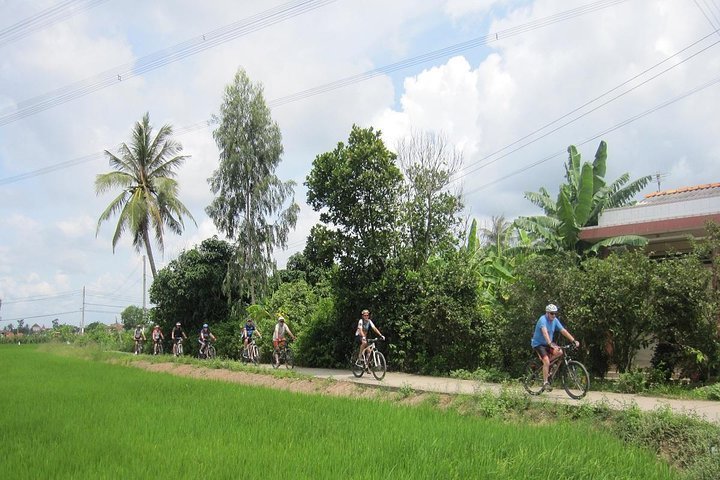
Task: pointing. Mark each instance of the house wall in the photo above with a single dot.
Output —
(659, 211)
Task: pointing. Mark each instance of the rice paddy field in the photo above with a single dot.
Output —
(65, 417)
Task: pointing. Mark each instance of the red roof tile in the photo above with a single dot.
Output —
(675, 191)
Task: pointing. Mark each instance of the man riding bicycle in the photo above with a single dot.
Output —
(281, 329)
(204, 337)
(177, 335)
(157, 337)
(247, 332)
(363, 328)
(139, 336)
(542, 340)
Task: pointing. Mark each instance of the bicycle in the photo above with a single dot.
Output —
(138, 346)
(251, 352)
(178, 348)
(374, 361)
(574, 375)
(157, 347)
(207, 351)
(283, 354)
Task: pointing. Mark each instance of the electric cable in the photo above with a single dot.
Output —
(45, 18)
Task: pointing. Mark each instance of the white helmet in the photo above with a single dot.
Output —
(552, 308)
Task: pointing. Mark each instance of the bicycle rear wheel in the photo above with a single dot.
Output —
(357, 370)
(576, 380)
(377, 365)
(533, 379)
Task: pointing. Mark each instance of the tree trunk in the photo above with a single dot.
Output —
(151, 259)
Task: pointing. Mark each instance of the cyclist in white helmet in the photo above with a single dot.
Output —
(542, 339)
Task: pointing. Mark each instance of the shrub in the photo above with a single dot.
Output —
(631, 382)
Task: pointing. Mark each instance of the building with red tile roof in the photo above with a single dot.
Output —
(666, 218)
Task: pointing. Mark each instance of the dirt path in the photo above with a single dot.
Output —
(416, 387)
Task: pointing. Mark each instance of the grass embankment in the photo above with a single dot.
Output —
(66, 417)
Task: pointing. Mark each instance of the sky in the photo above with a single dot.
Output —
(508, 83)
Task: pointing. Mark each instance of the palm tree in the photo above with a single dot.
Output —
(145, 172)
(498, 235)
(579, 203)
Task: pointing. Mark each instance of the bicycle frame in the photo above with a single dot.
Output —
(575, 379)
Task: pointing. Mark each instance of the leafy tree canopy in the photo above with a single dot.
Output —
(189, 290)
(252, 205)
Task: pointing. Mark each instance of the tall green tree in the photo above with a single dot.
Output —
(252, 206)
(357, 187)
(580, 200)
(145, 173)
(189, 290)
(132, 316)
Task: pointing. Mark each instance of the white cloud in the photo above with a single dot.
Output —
(483, 100)
(81, 226)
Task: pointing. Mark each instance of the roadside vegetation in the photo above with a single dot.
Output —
(117, 422)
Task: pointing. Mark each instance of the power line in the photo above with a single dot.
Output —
(39, 316)
(52, 168)
(479, 165)
(158, 59)
(39, 298)
(446, 52)
(111, 296)
(45, 18)
(715, 24)
(426, 57)
(104, 305)
(601, 134)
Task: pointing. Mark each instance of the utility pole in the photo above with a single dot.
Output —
(82, 317)
(658, 177)
(144, 307)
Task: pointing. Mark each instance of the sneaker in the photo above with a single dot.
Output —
(547, 387)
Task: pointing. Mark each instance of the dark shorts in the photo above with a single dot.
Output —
(358, 339)
(543, 351)
(177, 339)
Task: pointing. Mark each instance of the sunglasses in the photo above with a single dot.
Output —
(552, 313)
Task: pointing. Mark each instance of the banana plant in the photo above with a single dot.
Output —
(581, 199)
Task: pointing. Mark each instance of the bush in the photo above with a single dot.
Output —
(709, 392)
(490, 375)
(631, 382)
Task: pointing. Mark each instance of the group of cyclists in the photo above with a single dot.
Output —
(205, 336)
(541, 342)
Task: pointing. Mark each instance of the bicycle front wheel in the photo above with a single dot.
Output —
(378, 366)
(211, 352)
(289, 359)
(576, 380)
(533, 379)
(160, 349)
(357, 370)
(179, 349)
(276, 358)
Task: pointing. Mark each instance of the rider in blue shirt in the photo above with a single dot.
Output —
(542, 340)
(248, 330)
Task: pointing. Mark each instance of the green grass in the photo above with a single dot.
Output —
(67, 417)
